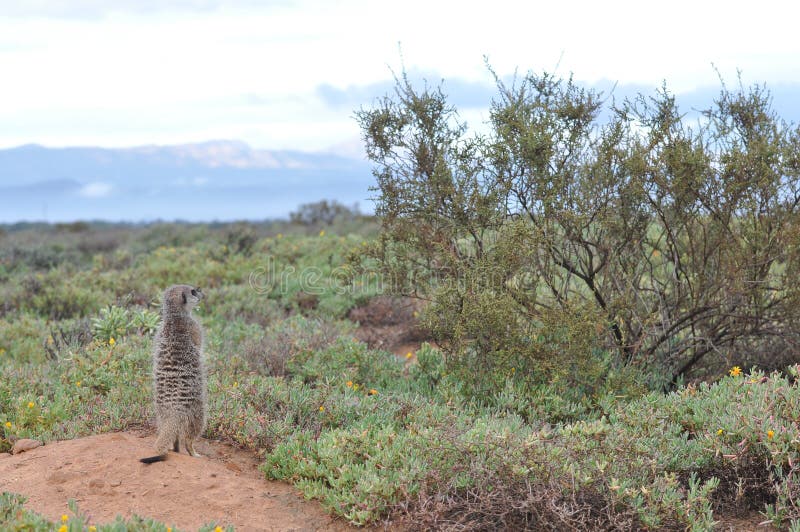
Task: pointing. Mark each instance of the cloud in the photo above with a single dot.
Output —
(92, 9)
(461, 93)
(95, 190)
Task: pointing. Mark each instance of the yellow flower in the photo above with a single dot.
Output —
(63, 528)
(513, 370)
(720, 432)
(770, 434)
(355, 387)
(349, 384)
(373, 391)
(78, 384)
(92, 528)
(8, 424)
(735, 371)
(111, 341)
(236, 384)
(2, 351)
(656, 253)
(217, 529)
(409, 354)
(169, 529)
(322, 233)
(321, 408)
(64, 518)
(279, 235)
(31, 404)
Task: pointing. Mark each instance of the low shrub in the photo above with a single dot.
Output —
(13, 516)
(386, 439)
(286, 347)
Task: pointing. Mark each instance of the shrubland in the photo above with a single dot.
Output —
(608, 296)
(377, 437)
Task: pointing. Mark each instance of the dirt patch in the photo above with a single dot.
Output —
(104, 476)
(390, 323)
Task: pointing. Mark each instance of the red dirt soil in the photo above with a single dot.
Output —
(104, 476)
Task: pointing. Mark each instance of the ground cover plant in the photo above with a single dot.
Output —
(14, 516)
(375, 436)
(589, 370)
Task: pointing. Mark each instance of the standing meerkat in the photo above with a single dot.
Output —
(179, 380)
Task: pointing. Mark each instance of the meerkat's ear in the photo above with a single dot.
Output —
(183, 295)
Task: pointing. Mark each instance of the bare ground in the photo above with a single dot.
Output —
(390, 323)
(104, 476)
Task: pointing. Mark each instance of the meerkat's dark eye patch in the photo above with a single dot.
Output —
(194, 292)
(183, 295)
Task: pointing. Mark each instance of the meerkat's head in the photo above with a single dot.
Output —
(182, 297)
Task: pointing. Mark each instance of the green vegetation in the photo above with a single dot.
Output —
(372, 435)
(577, 274)
(13, 516)
(590, 243)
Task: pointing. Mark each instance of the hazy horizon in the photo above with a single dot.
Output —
(211, 181)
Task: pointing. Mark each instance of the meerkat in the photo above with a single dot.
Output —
(179, 380)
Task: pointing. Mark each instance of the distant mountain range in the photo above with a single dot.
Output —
(217, 180)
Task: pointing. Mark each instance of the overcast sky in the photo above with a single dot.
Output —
(289, 74)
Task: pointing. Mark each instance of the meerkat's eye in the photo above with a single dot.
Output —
(194, 292)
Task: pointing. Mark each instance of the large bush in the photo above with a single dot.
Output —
(323, 212)
(578, 238)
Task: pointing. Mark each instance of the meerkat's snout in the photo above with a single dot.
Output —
(192, 296)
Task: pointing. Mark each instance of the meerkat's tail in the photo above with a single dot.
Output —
(151, 459)
(168, 431)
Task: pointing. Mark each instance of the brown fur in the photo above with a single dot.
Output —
(179, 380)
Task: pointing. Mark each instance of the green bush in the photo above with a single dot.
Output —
(661, 462)
(22, 337)
(145, 321)
(287, 346)
(113, 322)
(574, 230)
(323, 213)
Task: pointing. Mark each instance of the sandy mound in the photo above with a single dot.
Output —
(104, 475)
